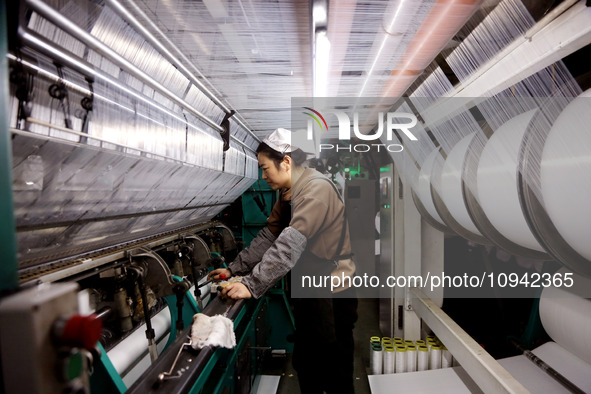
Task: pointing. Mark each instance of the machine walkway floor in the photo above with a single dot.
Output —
(280, 367)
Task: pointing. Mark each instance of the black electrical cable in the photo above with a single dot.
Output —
(87, 104)
(24, 82)
(58, 91)
(137, 275)
(180, 294)
(570, 386)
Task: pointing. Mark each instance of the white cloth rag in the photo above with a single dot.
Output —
(215, 330)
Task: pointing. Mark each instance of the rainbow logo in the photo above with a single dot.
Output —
(315, 118)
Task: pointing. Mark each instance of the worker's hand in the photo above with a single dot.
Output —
(219, 274)
(236, 291)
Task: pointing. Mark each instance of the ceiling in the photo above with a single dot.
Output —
(258, 55)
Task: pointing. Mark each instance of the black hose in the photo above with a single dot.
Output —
(180, 294)
(570, 386)
(150, 334)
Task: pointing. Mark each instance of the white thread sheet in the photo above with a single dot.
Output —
(456, 380)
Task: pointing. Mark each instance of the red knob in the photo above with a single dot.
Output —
(222, 276)
(82, 331)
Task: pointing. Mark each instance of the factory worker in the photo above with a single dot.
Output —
(306, 232)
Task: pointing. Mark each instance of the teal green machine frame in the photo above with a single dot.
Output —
(8, 259)
(105, 378)
(253, 221)
(253, 218)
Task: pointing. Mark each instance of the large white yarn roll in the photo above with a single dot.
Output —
(566, 174)
(451, 184)
(497, 182)
(566, 316)
(424, 185)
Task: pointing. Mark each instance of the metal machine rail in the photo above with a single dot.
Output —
(486, 372)
(96, 258)
(190, 363)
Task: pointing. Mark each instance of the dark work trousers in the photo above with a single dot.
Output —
(323, 349)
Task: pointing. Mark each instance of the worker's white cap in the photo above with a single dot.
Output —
(280, 140)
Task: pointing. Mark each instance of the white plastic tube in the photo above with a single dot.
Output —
(435, 357)
(400, 359)
(411, 358)
(375, 360)
(127, 352)
(422, 358)
(389, 360)
(446, 358)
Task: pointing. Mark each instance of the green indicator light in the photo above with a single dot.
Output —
(75, 366)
